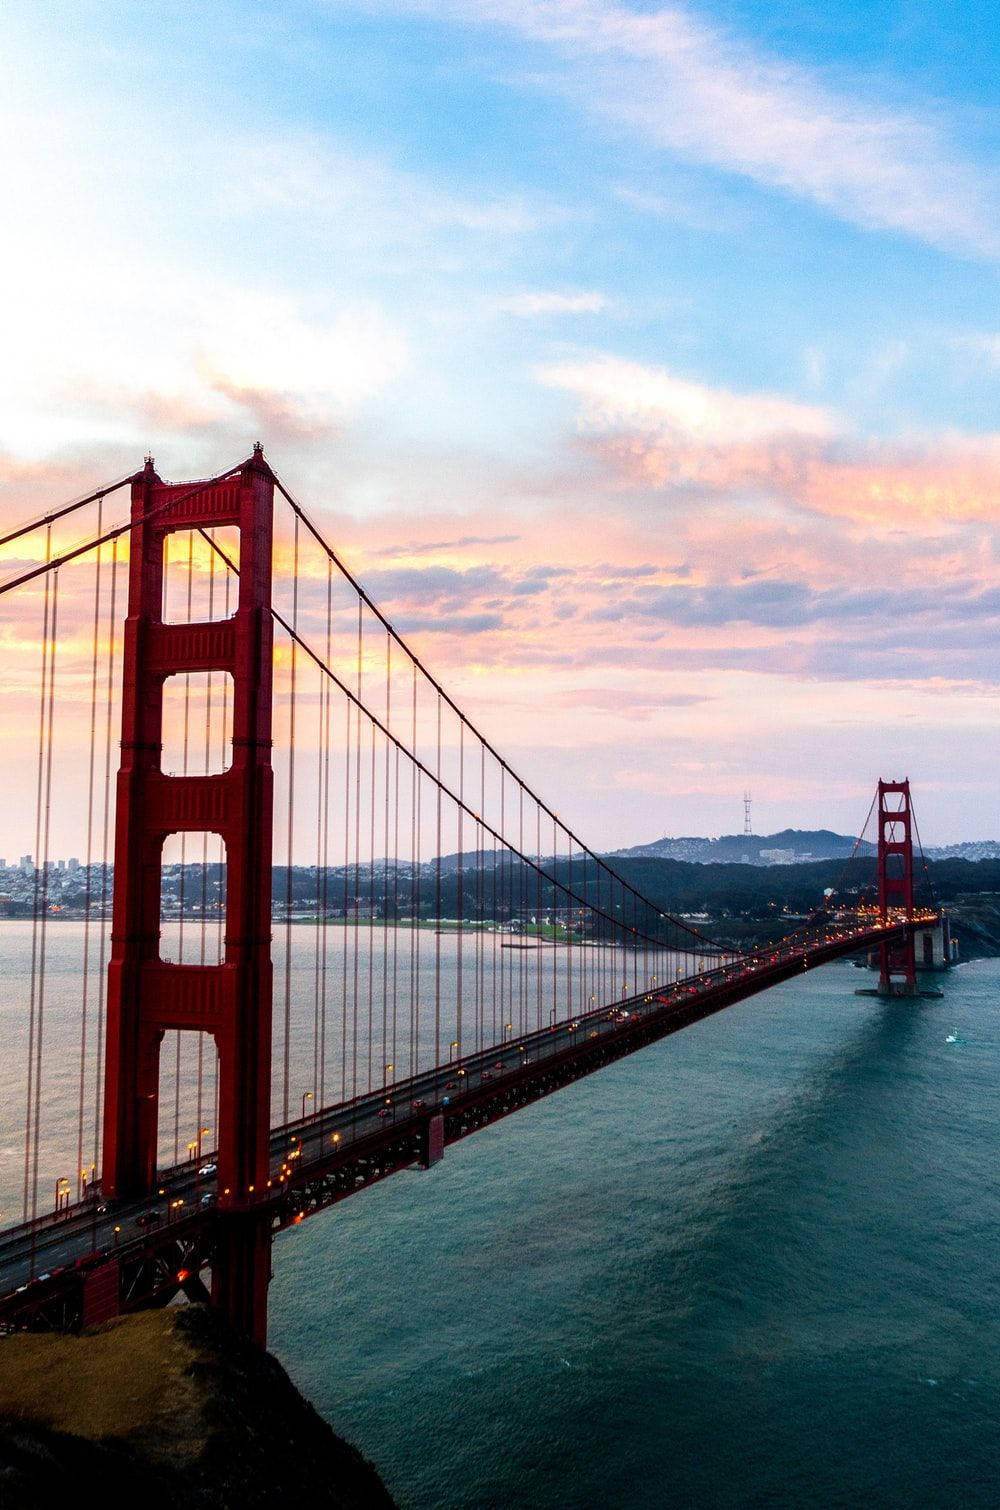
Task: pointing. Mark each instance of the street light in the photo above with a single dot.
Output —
(202, 1133)
(507, 1028)
(451, 1049)
(62, 1193)
(306, 1096)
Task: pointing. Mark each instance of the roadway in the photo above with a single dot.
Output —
(86, 1229)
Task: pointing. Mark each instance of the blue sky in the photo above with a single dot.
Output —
(689, 314)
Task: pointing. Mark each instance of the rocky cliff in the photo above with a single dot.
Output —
(166, 1408)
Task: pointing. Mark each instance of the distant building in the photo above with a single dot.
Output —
(778, 856)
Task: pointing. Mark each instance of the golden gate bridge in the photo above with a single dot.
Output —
(225, 1055)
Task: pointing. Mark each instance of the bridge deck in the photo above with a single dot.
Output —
(340, 1149)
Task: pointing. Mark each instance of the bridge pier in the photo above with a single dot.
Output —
(432, 1141)
(241, 1271)
(935, 947)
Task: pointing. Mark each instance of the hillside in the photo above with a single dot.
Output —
(789, 846)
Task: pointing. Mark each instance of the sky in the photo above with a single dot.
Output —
(642, 362)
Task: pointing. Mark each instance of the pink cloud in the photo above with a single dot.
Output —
(655, 431)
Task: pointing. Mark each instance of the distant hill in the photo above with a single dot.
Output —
(791, 846)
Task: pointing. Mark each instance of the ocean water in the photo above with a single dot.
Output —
(755, 1265)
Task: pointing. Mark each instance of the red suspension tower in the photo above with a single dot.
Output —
(895, 884)
(146, 995)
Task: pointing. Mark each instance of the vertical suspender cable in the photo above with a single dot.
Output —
(289, 888)
(539, 933)
(481, 983)
(395, 905)
(357, 855)
(370, 972)
(521, 998)
(414, 895)
(45, 895)
(416, 879)
(39, 789)
(569, 926)
(91, 753)
(502, 911)
(555, 924)
(183, 885)
(105, 835)
(437, 900)
(324, 692)
(326, 838)
(204, 856)
(461, 900)
(345, 899)
(225, 759)
(388, 1053)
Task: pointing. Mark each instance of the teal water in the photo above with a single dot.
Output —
(756, 1265)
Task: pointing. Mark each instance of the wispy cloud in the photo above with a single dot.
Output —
(550, 303)
(706, 94)
(443, 547)
(617, 394)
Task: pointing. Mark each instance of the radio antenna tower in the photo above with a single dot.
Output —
(747, 825)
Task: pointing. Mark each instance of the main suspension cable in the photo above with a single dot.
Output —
(69, 508)
(424, 771)
(55, 562)
(324, 545)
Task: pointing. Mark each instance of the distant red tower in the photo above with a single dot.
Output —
(895, 882)
(232, 1000)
